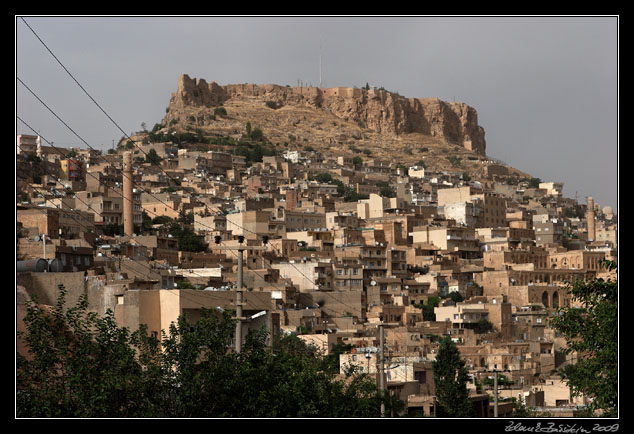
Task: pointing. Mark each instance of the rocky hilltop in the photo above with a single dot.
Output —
(362, 113)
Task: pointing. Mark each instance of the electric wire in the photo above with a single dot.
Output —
(112, 120)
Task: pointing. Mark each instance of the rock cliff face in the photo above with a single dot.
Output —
(379, 110)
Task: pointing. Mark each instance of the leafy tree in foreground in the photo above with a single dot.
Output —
(450, 379)
(80, 365)
(591, 331)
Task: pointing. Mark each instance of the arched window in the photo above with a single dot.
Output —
(545, 299)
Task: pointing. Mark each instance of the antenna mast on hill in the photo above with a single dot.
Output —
(320, 63)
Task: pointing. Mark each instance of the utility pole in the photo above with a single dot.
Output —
(381, 356)
(495, 393)
(239, 301)
(239, 282)
(382, 365)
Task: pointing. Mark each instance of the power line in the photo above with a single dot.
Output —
(97, 104)
(77, 198)
(112, 120)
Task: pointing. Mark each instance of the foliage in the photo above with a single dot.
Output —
(254, 152)
(153, 158)
(418, 269)
(534, 182)
(502, 381)
(428, 308)
(450, 379)
(161, 220)
(574, 212)
(455, 296)
(81, 365)
(220, 111)
(357, 161)
(188, 240)
(521, 410)
(385, 189)
(31, 157)
(484, 326)
(184, 284)
(324, 178)
(22, 196)
(455, 161)
(146, 221)
(112, 229)
(591, 331)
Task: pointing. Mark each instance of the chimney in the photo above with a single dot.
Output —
(128, 221)
(590, 219)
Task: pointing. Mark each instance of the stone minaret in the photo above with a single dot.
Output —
(590, 218)
(128, 220)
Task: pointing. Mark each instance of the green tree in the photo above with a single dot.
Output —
(81, 365)
(450, 378)
(428, 308)
(455, 161)
(31, 157)
(153, 158)
(162, 220)
(522, 410)
(502, 381)
(146, 220)
(257, 134)
(324, 177)
(385, 189)
(534, 182)
(591, 331)
(484, 325)
(188, 240)
(455, 296)
(112, 229)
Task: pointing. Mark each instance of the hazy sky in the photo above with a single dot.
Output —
(545, 87)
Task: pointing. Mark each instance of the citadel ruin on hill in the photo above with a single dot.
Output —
(357, 211)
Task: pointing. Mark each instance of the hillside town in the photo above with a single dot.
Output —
(368, 257)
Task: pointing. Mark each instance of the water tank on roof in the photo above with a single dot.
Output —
(38, 265)
(55, 266)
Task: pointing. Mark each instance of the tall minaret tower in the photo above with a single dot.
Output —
(128, 220)
(590, 219)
